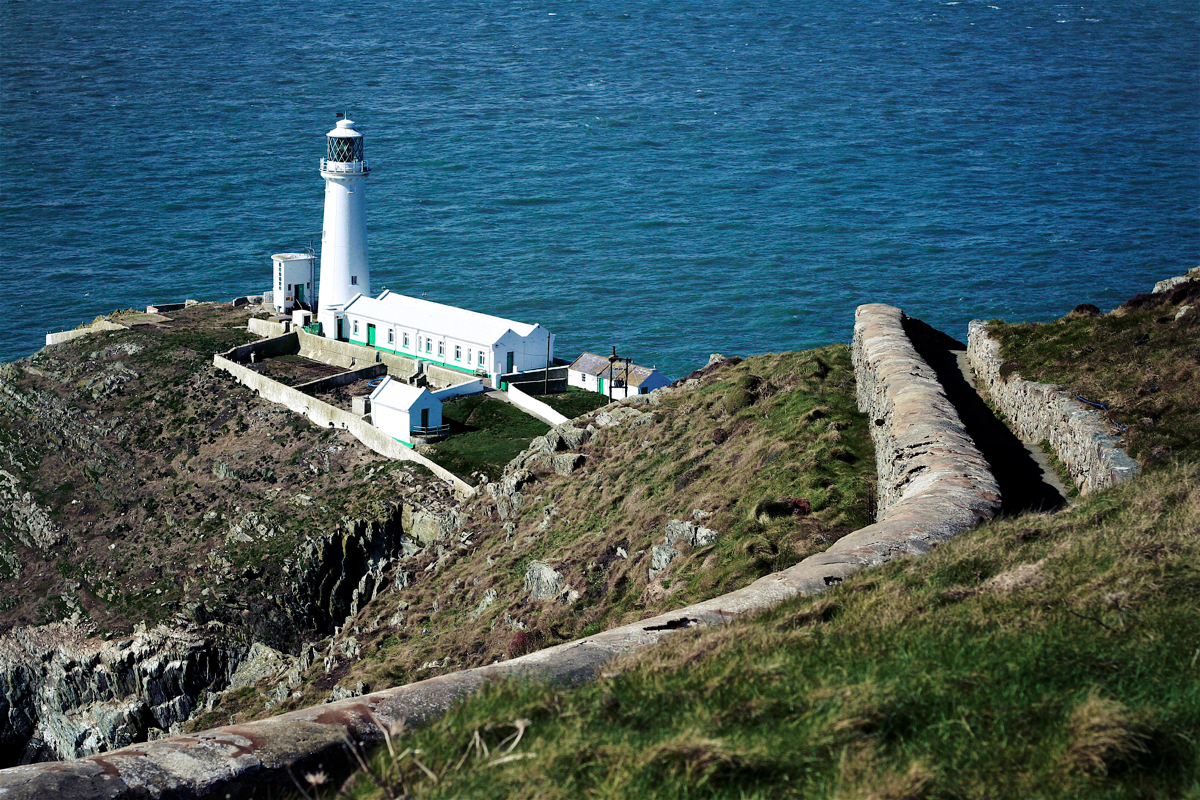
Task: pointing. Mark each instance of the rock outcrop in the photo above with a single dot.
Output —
(64, 694)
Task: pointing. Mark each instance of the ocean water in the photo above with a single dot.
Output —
(673, 179)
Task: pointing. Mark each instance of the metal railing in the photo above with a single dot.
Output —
(344, 166)
(432, 430)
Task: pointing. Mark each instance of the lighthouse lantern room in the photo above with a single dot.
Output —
(345, 271)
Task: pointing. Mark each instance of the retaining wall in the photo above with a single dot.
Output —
(535, 406)
(77, 333)
(1078, 433)
(265, 327)
(341, 379)
(942, 489)
(328, 416)
(344, 354)
(470, 387)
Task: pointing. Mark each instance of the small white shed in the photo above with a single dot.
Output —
(403, 412)
(293, 274)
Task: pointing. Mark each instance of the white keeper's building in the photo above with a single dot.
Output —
(402, 411)
(456, 338)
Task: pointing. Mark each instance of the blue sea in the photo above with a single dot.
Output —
(674, 179)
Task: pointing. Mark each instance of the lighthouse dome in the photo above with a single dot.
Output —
(344, 144)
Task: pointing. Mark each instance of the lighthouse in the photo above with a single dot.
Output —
(344, 268)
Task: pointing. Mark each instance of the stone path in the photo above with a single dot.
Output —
(1027, 481)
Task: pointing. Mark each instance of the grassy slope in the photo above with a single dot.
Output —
(743, 436)
(1037, 656)
(1140, 362)
(485, 434)
(1034, 657)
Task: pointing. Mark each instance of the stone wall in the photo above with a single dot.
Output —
(1039, 412)
(95, 327)
(920, 443)
(266, 327)
(347, 355)
(941, 488)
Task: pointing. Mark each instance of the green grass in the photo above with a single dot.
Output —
(951, 676)
(485, 434)
(574, 401)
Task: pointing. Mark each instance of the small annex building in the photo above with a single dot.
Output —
(618, 379)
(404, 412)
(455, 338)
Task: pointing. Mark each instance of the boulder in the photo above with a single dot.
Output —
(542, 581)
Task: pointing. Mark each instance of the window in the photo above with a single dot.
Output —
(481, 358)
(457, 353)
(356, 327)
(441, 349)
(354, 280)
(428, 345)
(289, 287)
(406, 341)
(391, 336)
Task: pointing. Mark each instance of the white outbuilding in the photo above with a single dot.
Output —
(455, 338)
(294, 273)
(617, 379)
(403, 411)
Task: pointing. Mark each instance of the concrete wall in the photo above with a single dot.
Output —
(328, 416)
(1078, 433)
(470, 387)
(341, 379)
(534, 406)
(347, 355)
(534, 380)
(945, 490)
(77, 333)
(285, 345)
(265, 327)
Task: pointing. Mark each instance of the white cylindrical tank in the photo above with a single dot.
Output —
(344, 268)
(293, 280)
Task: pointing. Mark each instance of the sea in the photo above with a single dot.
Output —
(669, 179)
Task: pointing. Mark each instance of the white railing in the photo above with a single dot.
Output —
(344, 166)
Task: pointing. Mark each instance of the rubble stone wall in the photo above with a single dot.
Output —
(1043, 412)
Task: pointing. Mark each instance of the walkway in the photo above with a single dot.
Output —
(1027, 481)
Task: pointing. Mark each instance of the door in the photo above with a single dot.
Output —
(299, 292)
(508, 361)
(600, 385)
(337, 329)
(370, 334)
(424, 419)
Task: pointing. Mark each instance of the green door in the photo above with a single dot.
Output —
(299, 292)
(370, 334)
(600, 385)
(424, 419)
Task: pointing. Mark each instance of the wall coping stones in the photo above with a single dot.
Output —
(1043, 412)
(936, 483)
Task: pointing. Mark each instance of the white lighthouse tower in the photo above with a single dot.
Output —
(344, 268)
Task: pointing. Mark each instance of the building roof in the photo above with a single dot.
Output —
(593, 364)
(430, 317)
(397, 394)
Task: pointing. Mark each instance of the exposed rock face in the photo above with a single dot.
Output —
(542, 581)
(661, 555)
(64, 695)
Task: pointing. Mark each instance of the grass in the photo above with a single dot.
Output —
(485, 434)
(1035, 657)
(574, 401)
(1139, 361)
(729, 452)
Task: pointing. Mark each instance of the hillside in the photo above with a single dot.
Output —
(1040, 655)
(758, 462)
